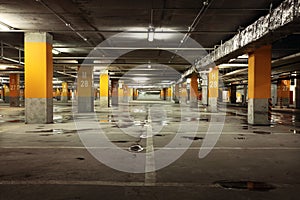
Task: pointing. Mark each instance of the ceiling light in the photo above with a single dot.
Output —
(56, 52)
(150, 34)
(245, 56)
(222, 66)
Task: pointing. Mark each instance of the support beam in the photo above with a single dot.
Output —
(283, 93)
(233, 94)
(38, 78)
(259, 85)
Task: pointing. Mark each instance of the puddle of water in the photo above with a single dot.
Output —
(136, 148)
(120, 141)
(16, 121)
(295, 131)
(192, 138)
(246, 185)
(159, 135)
(262, 132)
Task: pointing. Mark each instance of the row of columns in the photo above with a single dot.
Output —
(39, 74)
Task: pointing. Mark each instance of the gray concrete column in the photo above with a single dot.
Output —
(204, 84)
(114, 92)
(85, 90)
(233, 94)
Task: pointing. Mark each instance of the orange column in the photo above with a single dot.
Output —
(38, 77)
(14, 86)
(259, 85)
(64, 92)
(283, 92)
(104, 87)
(213, 89)
(194, 90)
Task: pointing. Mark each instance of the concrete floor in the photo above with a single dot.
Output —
(49, 161)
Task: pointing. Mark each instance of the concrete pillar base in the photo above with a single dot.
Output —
(114, 101)
(64, 99)
(213, 104)
(38, 110)
(104, 102)
(85, 104)
(14, 101)
(258, 112)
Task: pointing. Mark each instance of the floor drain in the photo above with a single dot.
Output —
(262, 132)
(136, 148)
(80, 158)
(245, 127)
(246, 185)
(192, 138)
(49, 134)
(295, 131)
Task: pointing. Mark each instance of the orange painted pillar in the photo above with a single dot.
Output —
(64, 92)
(168, 94)
(194, 91)
(213, 89)
(85, 90)
(283, 92)
(183, 95)
(104, 87)
(38, 77)
(259, 85)
(14, 87)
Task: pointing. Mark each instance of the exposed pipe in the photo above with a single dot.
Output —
(63, 20)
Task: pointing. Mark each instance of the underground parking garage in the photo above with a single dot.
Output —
(149, 99)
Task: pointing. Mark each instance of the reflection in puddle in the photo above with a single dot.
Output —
(246, 185)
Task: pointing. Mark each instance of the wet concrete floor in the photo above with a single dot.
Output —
(56, 161)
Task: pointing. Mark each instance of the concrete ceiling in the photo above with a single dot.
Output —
(78, 26)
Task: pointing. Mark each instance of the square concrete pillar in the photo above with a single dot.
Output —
(85, 90)
(194, 91)
(38, 78)
(213, 89)
(259, 85)
(104, 87)
(14, 88)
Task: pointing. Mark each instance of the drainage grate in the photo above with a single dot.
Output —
(246, 185)
(136, 148)
(159, 135)
(239, 138)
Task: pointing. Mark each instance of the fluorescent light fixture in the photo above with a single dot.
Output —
(140, 79)
(222, 66)
(55, 51)
(245, 56)
(150, 34)
(3, 66)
